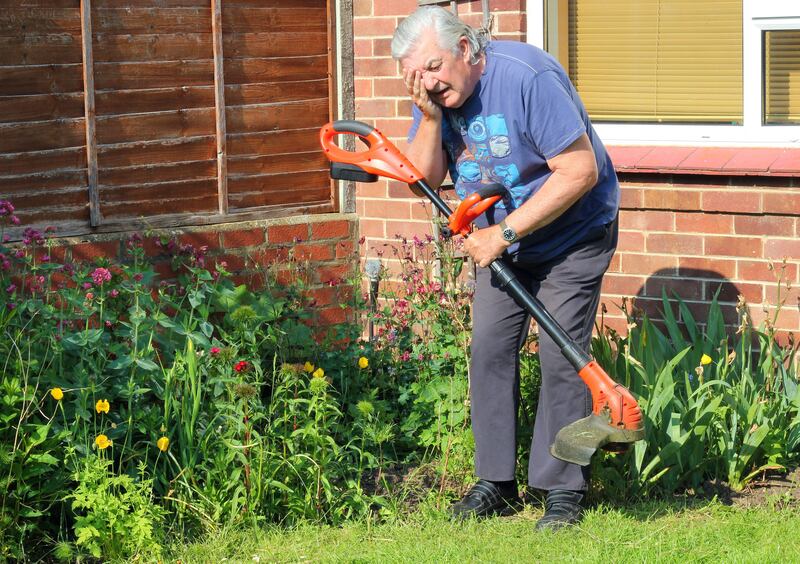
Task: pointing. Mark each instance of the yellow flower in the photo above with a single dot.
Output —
(308, 367)
(705, 359)
(102, 442)
(162, 444)
(318, 373)
(57, 393)
(363, 362)
(102, 406)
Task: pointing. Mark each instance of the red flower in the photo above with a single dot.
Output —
(215, 350)
(241, 366)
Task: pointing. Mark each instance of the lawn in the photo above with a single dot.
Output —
(681, 531)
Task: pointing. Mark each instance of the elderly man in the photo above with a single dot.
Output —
(498, 112)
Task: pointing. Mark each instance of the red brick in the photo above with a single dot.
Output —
(266, 257)
(399, 189)
(397, 127)
(510, 22)
(731, 201)
(287, 233)
(700, 313)
(709, 158)
(408, 228)
(614, 265)
(363, 88)
(371, 27)
(394, 7)
(362, 47)
(722, 246)
(674, 243)
(686, 288)
(87, 252)
(382, 47)
(759, 270)
(672, 199)
(371, 189)
(647, 220)
(421, 210)
(627, 157)
(730, 291)
(324, 296)
(703, 223)
(313, 251)
(376, 66)
(362, 8)
(664, 157)
(335, 272)
(764, 225)
(332, 315)
(631, 197)
(623, 285)
(199, 239)
(372, 228)
(753, 159)
(787, 162)
(346, 250)
(338, 229)
(387, 209)
(390, 87)
(375, 108)
(648, 264)
(779, 248)
(243, 238)
(704, 267)
(784, 202)
(631, 241)
(404, 107)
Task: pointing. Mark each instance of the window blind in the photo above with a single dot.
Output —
(782, 76)
(657, 60)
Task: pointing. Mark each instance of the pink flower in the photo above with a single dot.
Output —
(406, 356)
(114, 293)
(241, 366)
(87, 285)
(215, 350)
(101, 275)
(89, 296)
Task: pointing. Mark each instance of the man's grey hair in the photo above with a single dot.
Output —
(449, 31)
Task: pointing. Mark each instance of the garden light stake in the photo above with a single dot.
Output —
(616, 419)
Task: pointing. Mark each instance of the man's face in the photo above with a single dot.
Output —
(448, 78)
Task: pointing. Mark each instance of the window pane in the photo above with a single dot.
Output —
(782, 76)
(658, 60)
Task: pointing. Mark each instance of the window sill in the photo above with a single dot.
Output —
(728, 161)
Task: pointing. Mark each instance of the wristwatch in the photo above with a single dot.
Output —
(508, 233)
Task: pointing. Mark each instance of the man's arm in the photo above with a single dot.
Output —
(574, 173)
(425, 152)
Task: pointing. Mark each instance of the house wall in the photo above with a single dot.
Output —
(690, 229)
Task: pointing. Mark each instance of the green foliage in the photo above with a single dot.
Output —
(115, 516)
(711, 409)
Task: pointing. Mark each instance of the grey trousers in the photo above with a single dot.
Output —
(569, 287)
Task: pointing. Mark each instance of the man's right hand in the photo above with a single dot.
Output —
(419, 95)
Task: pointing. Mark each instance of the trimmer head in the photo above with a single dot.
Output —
(578, 441)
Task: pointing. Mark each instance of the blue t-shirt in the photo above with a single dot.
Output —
(524, 110)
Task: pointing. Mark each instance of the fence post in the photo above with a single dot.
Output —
(219, 106)
(89, 112)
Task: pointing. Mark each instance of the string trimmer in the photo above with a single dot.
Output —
(616, 420)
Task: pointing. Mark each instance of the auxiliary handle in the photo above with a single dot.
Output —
(381, 157)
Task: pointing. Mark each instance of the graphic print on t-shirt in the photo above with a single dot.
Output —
(485, 140)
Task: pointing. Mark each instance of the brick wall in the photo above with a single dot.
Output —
(686, 233)
(323, 248)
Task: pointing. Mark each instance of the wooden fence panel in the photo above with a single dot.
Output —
(42, 128)
(156, 128)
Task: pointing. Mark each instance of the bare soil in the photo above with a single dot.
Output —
(780, 488)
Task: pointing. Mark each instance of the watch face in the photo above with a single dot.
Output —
(509, 234)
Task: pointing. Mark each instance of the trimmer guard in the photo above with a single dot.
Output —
(578, 441)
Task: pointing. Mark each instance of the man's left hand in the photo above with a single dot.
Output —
(485, 245)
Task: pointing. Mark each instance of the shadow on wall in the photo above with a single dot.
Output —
(696, 288)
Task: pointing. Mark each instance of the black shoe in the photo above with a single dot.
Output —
(561, 509)
(485, 499)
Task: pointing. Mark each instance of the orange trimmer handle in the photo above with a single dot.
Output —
(381, 157)
(460, 221)
(610, 399)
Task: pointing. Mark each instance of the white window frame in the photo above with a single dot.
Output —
(757, 16)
